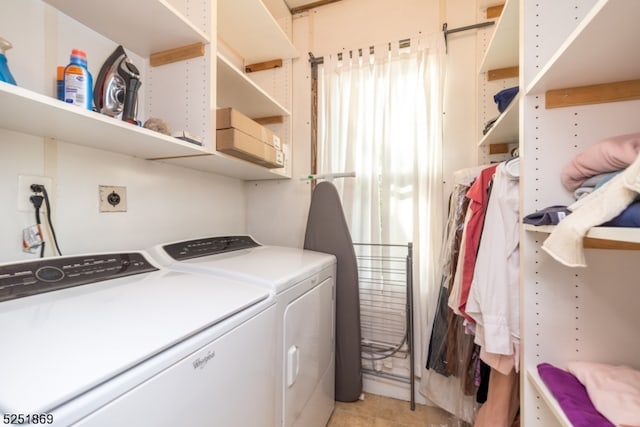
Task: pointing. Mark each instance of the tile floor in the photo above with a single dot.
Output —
(379, 411)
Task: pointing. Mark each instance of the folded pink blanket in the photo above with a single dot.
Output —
(609, 155)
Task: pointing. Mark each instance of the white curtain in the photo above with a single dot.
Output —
(380, 116)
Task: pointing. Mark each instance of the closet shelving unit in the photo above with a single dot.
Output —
(581, 86)
(500, 61)
(26, 111)
(247, 33)
(253, 36)
(29, 112)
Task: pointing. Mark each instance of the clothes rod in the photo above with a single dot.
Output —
(468, 27)
(448, 31)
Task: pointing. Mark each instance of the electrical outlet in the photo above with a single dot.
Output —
(24, 190)
(113, 198)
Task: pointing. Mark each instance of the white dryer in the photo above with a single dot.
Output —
(115, 340)
(303, 282)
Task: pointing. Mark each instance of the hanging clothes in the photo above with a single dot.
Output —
(437, 353)
(478, 195)
(494, 297)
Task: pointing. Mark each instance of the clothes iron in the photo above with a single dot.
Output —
(116, 88)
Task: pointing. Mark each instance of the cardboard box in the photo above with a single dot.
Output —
(239, 144)
(227, 118)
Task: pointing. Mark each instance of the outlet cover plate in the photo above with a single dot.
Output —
(113, 198)
(24, 191)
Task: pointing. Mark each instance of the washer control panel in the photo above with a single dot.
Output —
(208, 246)
(50, 274)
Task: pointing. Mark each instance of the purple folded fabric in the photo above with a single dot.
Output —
(572, 397)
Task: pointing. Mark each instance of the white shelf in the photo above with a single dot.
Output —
(552, 403)
(602, 49)
(222, 164)
(142, 26)
(483, 4)
(503, 48)
(22, 110)
(249, 27)
(236, 90)
(613, 234)
(505, 129)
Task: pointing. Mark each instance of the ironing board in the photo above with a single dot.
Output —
(327, 232)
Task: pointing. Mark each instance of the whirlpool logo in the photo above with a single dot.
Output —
(201, 362)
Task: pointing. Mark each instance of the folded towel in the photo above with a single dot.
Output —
(565, 242)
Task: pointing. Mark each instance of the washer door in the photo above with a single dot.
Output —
(309, 354)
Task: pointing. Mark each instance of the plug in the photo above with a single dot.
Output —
(37, 188)
(36, 200)
(29, 185)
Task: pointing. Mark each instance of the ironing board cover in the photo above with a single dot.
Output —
(327, 232)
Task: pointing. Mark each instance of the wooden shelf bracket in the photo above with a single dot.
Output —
(176, 55)
(261, 66)
(503, 73)
(593, 94)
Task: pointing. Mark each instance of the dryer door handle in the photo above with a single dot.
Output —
(293, 364)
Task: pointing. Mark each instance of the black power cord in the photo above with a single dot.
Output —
(37, 203)
(37, 188)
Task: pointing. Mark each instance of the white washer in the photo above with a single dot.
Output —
(304, 283)
(113, 339)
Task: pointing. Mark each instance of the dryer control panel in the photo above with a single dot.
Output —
(208, 246)
(50, 274)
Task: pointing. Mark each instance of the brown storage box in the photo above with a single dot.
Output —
(227, 118)
(238, 144)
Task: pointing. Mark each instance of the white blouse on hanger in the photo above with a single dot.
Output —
(494, 299)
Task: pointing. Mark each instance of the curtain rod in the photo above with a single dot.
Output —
(314, 61)
(320, 60)
(447, 31)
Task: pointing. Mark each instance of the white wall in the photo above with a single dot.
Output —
(165, 202)
(461, 126)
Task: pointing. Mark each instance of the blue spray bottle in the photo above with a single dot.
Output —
(5, 74)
